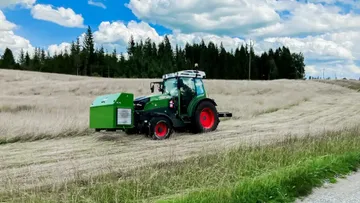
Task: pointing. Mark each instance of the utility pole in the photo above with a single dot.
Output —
(250, 59)
(323, 74)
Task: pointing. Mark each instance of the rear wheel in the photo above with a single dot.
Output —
(160, 128)
(205, 118)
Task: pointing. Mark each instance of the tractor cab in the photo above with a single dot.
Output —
(185, 87)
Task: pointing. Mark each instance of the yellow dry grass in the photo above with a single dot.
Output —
(37, 105)
(34, 106)
(351, 84)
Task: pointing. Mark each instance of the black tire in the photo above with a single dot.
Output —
(160, 128)
(209, 120)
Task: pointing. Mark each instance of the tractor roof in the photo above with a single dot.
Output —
(186, 73)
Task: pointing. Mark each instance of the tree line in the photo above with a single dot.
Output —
(146, 59)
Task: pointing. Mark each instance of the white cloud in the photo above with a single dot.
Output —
(57, 49)
(348, 39)
(330, 46)
(256, 18)
(8, 39)
(214, 16)
(117, 35)
(9, 3)
(332, 69)
(98, 4)
(14, 42)
(314, 47)
(62, 16)
(118, 32)
(4, 24)
(353, 3)
(311, 70)
(311, 18)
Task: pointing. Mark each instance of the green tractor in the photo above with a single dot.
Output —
(181, 104)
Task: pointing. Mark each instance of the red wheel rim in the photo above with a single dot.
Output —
(207, 118)
(161, 129)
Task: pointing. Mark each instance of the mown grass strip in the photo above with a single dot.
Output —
(237, 173)
(16, 109)
(282, 185)
(32, 137)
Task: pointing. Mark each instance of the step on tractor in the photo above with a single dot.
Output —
(180, 104)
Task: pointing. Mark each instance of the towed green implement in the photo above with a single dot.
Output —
(112, 111)
(181, 104)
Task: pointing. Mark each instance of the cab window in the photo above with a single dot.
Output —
(170, 87)
(189, 82)
(199, 87)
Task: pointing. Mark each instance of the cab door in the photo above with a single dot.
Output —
(187, 92)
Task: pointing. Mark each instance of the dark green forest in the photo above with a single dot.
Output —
(146, 59)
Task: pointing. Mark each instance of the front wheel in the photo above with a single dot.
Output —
(160, 128)
(205, 118)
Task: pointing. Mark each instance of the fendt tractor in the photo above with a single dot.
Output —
(181, 104)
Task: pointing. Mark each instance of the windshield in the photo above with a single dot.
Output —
(170, 87)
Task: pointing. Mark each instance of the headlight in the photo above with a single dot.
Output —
(124, 116)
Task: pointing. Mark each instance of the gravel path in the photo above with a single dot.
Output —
(345, 190)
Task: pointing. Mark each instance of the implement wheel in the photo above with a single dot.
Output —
(205, 118)
(161, 128)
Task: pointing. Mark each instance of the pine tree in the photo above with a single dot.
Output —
(89, 51)
(8, 61)
(22, 59)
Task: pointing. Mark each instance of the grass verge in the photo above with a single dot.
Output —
(278, 172)
(282, 185)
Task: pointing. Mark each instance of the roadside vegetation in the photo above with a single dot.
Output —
(279, 172)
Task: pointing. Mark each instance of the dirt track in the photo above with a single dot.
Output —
(53, 161)
(345, 190)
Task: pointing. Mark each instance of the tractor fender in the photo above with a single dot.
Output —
(200, 101)
(157, 114)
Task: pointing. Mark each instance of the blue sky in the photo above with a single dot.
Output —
(326, 31)
(49, 33)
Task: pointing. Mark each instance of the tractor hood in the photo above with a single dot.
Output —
(141, 101)
(153, 97)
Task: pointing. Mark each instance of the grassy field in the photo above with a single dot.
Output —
(53, 105)
(279, 172)
(47, 151)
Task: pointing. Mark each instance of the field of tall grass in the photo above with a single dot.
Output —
(44, 126)
(37, 106)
